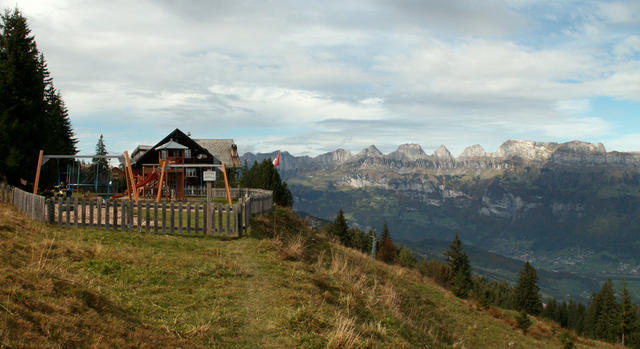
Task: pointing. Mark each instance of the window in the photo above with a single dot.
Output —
(191, 172)
(163, 154)
(187, 153)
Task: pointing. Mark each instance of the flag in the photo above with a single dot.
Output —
(276, 162)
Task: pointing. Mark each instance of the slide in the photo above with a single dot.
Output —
(150, 177)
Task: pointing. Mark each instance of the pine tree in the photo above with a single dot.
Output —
(459, 263)
(101, 149)
(602, 314)
(265, 176)
(32, 114)
(340, 228)
(628, 314)
(406, 258)
(526, 291)
(523, 321)
(387, 251)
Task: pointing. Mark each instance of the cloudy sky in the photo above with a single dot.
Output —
(310, 77)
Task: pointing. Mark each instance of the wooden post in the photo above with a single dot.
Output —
(123, 216)
(164, 217)
(130, 172)
(139, 216)
(91, 213)
(75, 212)
(172, 217)
(107, 223)
(163, 164)
(197, 218)
(99, 213)
(155, 217)
(209, 210)
(188, 218)
(227, 230)
(51, 210)
(226, 183)
(147, 216)
(219, 208)
(180, 218)
(37, 180)
(68, 213)
(83, 203)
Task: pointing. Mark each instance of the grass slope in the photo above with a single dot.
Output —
(93, 288)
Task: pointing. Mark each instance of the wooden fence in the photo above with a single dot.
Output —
(190, 218)
(27, 203)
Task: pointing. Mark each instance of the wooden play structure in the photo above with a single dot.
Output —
(171, 171)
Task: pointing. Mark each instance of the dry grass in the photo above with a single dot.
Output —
(344, 335)
(294, 248)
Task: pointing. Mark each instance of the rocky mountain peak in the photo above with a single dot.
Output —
(337, 157)
(526, 150)
(410, 152)
(370, 151)
(473, 151)
(442, 153)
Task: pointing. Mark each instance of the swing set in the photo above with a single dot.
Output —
(132, 186)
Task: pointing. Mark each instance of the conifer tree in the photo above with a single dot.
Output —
(523, 321)
(628, 314)
(32, 115)
(526, 291)
(340, 228)
(406, 258)
(265, 176)
(101, 149)
(387, 251)
(459, 263)
(602, 318)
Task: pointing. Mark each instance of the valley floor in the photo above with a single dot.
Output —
(93, 288)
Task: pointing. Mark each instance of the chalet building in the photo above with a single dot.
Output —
(181, 151)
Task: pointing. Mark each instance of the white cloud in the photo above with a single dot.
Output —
(317, 76)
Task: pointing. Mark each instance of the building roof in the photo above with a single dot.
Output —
(139, 151)
(171, 144)
(223, 149)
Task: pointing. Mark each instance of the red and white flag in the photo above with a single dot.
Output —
(276, 162)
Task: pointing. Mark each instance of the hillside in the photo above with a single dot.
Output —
(66, 287)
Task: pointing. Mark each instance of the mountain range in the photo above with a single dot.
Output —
(571, 207)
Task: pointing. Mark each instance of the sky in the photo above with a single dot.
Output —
(310, 77)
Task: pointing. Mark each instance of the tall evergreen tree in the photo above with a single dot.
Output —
(526, 291)
(340, 228)
(101, 149)
(387, 251)
(606, 324)
(32, 114)
(628, 315)
(459, 263)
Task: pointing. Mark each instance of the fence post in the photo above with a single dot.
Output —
(164, 217)
(139, 216)
(219, 208)
(91, 213)
(75, 212)
(188, 218)
(197, 218)
(147, 216)
(83, 203)
(173, 216)
(99, 213)
(67, 223)
(115, 215)
(51, 207)
(155, 217)
(107, 222)
(123, 216)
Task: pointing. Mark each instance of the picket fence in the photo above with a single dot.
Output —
(176, 217)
